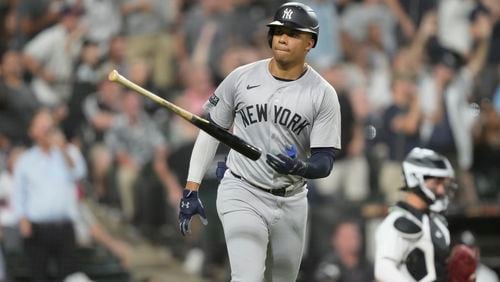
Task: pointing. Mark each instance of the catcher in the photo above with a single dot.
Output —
(413, 241)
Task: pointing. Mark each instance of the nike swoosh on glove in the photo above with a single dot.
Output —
(190, 205)
(286, 165)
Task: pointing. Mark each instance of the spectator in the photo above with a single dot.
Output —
(238, 56)
(242, 16)
(35, 17)
(359, 20)
(100, 109)
(487, 153)
(50, 57)
(44, 198)
(410, 60)
(496, 99)
(10, 240)
(400, 131)
(139, 71)
(87, 66)
(103, 19)
(447, 118)
(209, 18)
(409, 14)
(328, 51)
(146, 24)
(493, 10)
(17, 101)
(3, 274)
(115, 58)
(4, 147)
(85, 80)
(349, 180)
(9, 27)
(90, 231)
(453, 22)
(345, 262)
(489, 77)
(198, 88)
(136, 144)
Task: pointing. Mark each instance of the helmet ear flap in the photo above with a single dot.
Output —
(412, 180)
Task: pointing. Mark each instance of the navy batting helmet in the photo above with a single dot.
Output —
(297, 16)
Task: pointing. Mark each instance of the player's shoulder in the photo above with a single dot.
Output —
(402, 221)
(316, 79)
(408, 226)
(241, 74)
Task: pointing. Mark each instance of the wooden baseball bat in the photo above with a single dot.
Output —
(219, 133)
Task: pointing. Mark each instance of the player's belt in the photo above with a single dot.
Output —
(282, 192)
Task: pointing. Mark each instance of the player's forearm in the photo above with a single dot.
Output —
(204, 151)
(320, 163)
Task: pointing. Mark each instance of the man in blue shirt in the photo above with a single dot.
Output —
(44, 197)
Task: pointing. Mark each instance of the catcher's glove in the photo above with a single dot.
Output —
(462, 264)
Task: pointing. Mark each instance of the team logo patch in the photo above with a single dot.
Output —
(287, 14)
(214, 100)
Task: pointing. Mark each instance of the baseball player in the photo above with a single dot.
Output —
(412, 243)
(286, 108)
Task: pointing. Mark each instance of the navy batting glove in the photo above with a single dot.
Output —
(190, 205)
(286, 165)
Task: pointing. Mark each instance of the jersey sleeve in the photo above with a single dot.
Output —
(220, 105)
(326, 126)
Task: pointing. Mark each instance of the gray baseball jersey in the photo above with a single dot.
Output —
(274, 114)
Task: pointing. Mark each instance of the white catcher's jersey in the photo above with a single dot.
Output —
(410, 248)
(273, 114)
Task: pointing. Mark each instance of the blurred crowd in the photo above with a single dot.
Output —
(407, 72)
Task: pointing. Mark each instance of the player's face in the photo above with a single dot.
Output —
(441, 187)
(290, 46)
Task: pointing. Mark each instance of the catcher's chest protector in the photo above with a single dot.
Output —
(429, 240)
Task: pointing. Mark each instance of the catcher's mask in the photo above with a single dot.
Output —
(421, 164)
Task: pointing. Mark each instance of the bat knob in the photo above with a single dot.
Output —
(113, 75)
